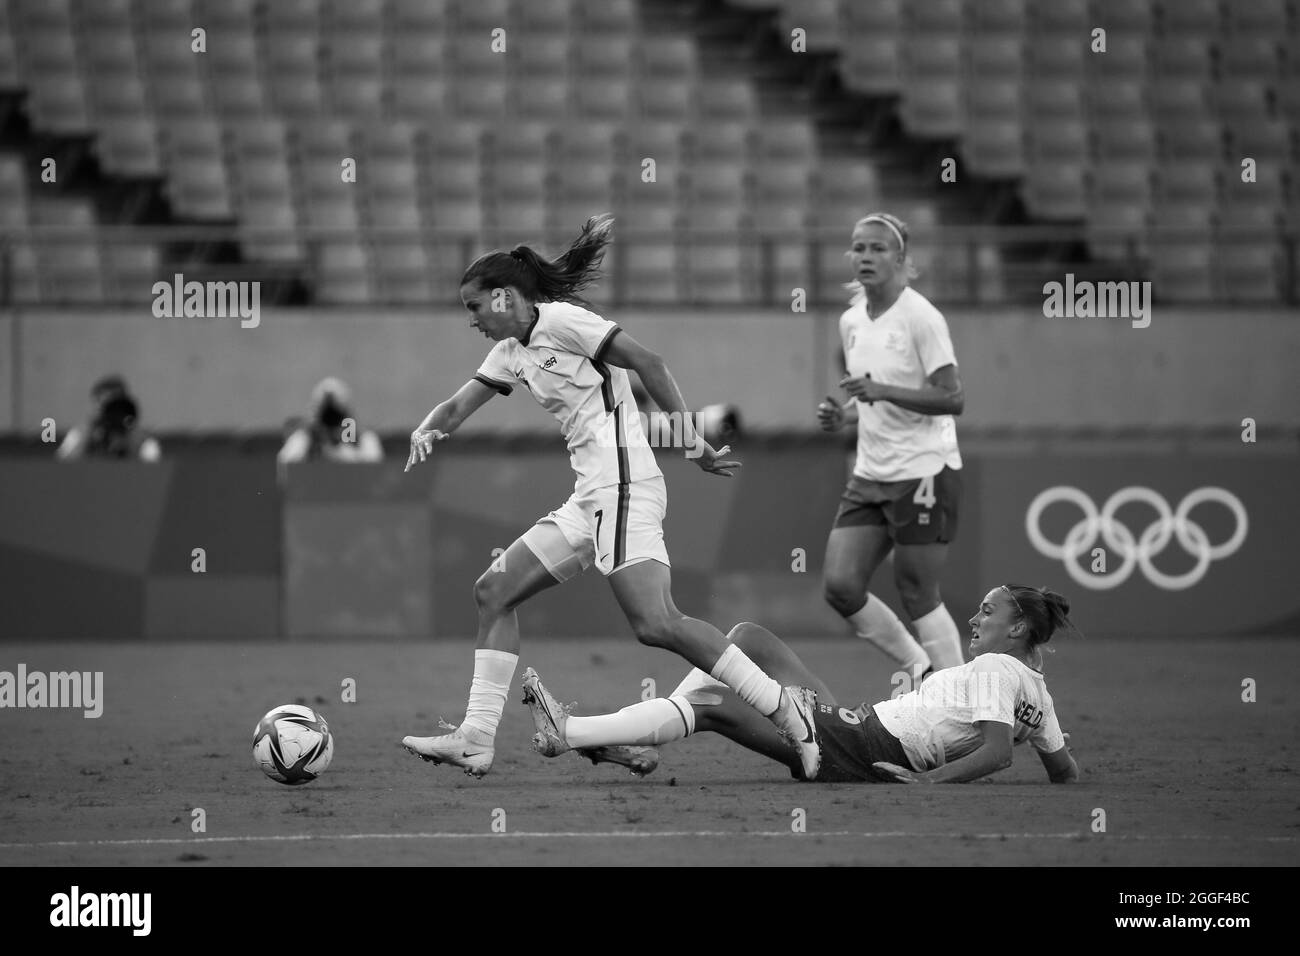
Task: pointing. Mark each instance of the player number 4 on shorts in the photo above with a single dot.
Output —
(925, 492)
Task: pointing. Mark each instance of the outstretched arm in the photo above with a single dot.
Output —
(1060, 766)
(446, 418)
(992, 755)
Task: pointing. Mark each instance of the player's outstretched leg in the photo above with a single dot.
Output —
(644, 592)
(508, 582)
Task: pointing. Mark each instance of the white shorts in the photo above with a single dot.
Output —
(611, 527)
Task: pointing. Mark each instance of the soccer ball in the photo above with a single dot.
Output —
(293, 745)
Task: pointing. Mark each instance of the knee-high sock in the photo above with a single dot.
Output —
(658, 721)
(737, 671)
(493, 672)
(939, 637)
(875, 622)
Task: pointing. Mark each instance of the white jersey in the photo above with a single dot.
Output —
(559, 361)
(903, 346)
(936, 722)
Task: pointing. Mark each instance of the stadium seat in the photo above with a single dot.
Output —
(1184, 56)
(669, 99)
(727, 99)
(131, 267)
(109, 51)
(456, 213)
(1264, 140)
(70, 270)
(992, 57)
(97, 16)
(1054, 98)
(1251, 57)
(934, 109)
(290, 14)
(1200, 18)
(1131, 138)
(598, 61)
(344, 16)
(1262, 17)
(389, 213)
(1123, 180)
(334, 214)
(57, 104)
(24, 285)
(997, 16)
(995, 146)
(883, 18)
(788, 138)
(1183, 271)
(1123, 16)
(1190, 136)
(667, 57)
(1049, 138)
(1108, 99)
(1055, 55)
(237, 95)
(541, 57)
(1056, 191)
(1186, 180)
(730, 140)
(119, 97)
(552, 17)
(357, 54)
(483, 96)
(219, 13)
(820, 21)
(932, 16)
(355, 97)
(341, 273)
(231, 49)
(650, 271)
(1059, 17)
(1248, 100)
(538, 97)
(198, 187)
(13, 193)
(128, 146)
(605, 16)
(9, 73)
(719, 272)
(871, 66)
(420, 97)
(280, 242)
(1177, 99)
(1126, 55)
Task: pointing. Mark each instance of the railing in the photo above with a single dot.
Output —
(969, 264)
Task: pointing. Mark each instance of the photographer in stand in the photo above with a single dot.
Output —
(330, 432)
(113, 430)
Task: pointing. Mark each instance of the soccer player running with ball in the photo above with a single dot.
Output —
(574, 364)
(959, 725)
(903, 392)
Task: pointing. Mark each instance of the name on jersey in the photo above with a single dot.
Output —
(1028, 714)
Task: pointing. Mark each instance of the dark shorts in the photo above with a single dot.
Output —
(851, 741)
(916, 511)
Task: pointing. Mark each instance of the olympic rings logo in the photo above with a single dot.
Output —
(1139, 551)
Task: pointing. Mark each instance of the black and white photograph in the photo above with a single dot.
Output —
(926, 372)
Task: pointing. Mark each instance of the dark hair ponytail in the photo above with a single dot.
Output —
(547, 280)
(1043, 610)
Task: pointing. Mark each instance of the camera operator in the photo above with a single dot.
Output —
(330, 432)
(113, 429)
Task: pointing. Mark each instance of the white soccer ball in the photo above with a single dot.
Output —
(293, 745)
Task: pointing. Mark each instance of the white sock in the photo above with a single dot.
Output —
(939, 637)
(658, 721)
(695, 680)
(737, 671)
(875, 622)
(493, 672)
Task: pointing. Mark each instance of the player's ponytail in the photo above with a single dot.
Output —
(540, 279)
(1044, 611)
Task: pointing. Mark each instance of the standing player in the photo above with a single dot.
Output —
(958, 726)
(574, 364)
(904, 389)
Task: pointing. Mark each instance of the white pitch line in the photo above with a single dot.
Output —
(651, 834)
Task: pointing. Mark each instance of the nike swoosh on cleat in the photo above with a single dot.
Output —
(466, 753)
(810, 738)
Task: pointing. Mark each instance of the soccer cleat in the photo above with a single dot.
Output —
(639, 760)
(805, 741)
(455, 748)
(549, 716)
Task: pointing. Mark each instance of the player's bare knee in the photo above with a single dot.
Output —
(489, 592)
(659, 631)
(844, 597)
(744, 634)
(918, 600)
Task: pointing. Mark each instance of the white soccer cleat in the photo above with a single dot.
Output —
(805, 741)
(458, 748)
(549, 716)
(639, 760)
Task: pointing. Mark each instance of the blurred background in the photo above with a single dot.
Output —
(200, 491)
